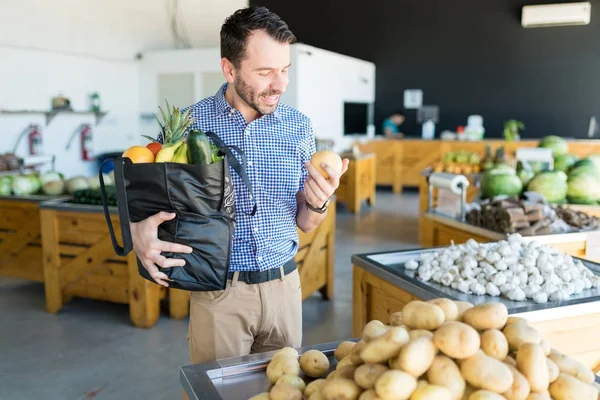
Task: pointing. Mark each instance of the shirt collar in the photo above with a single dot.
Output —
(222, 106)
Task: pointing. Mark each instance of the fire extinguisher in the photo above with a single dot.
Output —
(35, 140)
(85, 135)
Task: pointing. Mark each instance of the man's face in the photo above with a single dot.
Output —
(263, 74)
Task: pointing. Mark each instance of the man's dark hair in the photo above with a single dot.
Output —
(239, 26)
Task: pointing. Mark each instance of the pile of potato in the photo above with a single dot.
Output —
(436, 350)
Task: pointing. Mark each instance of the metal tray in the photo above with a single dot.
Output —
(238, 378)
(389, 266)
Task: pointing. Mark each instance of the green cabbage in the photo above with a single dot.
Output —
(24, 185)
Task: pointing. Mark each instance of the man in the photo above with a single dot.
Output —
(391, 125)
(290, 193)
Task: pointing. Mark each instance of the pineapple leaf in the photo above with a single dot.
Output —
(176, 119)
(150, 138)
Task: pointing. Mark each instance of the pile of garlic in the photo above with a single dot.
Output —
(516, 269)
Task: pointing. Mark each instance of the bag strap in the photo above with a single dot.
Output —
(239, 168)
(122, 207)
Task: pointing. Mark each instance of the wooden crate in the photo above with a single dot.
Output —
(358, 183)
(388, 161)
(79, 261)
(374, 298)
(20, 237)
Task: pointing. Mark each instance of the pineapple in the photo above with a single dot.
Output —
(174, 126)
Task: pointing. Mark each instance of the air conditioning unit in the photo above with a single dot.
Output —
(564, 14)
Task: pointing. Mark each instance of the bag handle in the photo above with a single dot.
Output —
(239, 168)
(122, 207)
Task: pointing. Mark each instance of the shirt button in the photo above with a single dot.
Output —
(249, 163)
(255, 229)
(259, 258)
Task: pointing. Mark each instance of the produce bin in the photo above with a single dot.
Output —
(358, 183)
(382, 285)
(20, 237)
(79, 261)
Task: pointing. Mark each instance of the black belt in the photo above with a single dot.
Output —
(252, 277)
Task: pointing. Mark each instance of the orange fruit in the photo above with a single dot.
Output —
(154, 147)
(139, 154)
(331, 158)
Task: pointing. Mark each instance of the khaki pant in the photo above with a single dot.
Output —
(244, 319)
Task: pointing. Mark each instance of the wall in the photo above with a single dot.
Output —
(76, 47)
(468, 56)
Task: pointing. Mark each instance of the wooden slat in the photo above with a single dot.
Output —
(301, 254)
(78, 267)
(25, 265)
(313, 278)
(107, 288)
(109, 268)
(144, 297)
(13, 218)
(51, 261)
(179, 303)
(29, 231)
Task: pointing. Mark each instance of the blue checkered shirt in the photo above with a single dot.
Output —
(276, 147)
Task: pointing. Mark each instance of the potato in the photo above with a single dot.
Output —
(520, 388)
(395, 385)
(331, 375)
(519, 333)
(340, 389)
(531, 362)
(512, 320)
(293, 380)
(261, 396)
(282, 365)
(418, 333)
(553, 370)
(485, 395)
(571, 367)
(567, 387)
(396, 318)
(286, 351)
(448, 307)
(510, 361)
(347, 372)
(485, 372)
(420, 315)
(356, 351)
(369, 395)
(539, 396)
(314, 363)
(469, 390)
(456, 340)
(343, 350)
(385, 347)
(486, 316)
(285, 391)
(443, 371)
(494, 344)
(431, 392)
(373, 330)
(416, 356)
(462, 306)
(344, 362)
(545, 346)
(422, 382)
(316, 396)
(366, 375)
(314, 386)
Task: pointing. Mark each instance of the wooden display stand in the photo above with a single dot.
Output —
(20, 243)
(79, 261)
(374, 298)
(358, 183)
(400, 162)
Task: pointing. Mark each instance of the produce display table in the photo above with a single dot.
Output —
(382, 286)
(79, 261)
(358, 183)
(440, 230)
(20, 240)
(400, 162)
(237, 378)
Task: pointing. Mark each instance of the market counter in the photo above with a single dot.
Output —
(382, 286)
(20, 236)
(400, 162)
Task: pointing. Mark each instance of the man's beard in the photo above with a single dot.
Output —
(247, 94)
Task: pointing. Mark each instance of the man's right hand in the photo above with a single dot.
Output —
(148, 247)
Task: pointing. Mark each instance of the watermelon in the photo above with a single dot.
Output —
(583, 189)
(584, 166)
(552, 185)
(564, 162)
(497, 183)
(558, 145)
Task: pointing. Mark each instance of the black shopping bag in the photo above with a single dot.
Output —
(201, 196)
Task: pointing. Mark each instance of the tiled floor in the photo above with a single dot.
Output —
(91, 350)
